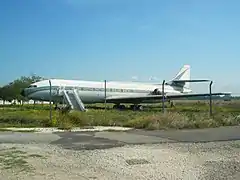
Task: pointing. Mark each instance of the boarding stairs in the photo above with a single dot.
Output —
(72, 99)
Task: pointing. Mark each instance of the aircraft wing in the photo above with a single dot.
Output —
(139, 99)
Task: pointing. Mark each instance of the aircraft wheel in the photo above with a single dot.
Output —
(135, 107)
(140, 107)
(57, 108)
(115, 106)
(122, 107)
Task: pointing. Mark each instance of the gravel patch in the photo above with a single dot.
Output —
(159, 161)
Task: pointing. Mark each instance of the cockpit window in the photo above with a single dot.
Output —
(32, 86)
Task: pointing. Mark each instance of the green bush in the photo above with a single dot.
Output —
(28, 118)
(173, 120)
(146, 120)
(99, 118)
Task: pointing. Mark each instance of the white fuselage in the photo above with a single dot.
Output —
(94, 92)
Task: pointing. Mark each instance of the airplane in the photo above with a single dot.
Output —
(76, 93)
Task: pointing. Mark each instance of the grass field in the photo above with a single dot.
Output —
(185, 114)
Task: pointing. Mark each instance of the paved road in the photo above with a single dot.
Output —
(196, 135)
(103, 140)
(135, 154)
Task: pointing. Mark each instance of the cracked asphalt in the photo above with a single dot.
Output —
(134, 154)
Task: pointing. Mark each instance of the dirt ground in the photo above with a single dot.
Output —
(114, 155)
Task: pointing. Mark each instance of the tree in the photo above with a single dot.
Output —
(7, 93)
(13, 90)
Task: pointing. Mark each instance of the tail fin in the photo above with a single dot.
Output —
(183, 78)
(183, 75)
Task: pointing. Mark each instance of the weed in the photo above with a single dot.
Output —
(14, 160)
(182, 115)
(35, 156)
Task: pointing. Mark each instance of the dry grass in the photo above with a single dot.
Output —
(16, 159)
(183, 115)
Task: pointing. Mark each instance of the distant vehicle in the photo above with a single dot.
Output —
(78, 92)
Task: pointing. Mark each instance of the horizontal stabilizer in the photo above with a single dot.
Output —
(182, 79)
(190, 80)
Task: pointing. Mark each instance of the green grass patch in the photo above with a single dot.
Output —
(16, 160)
(5, 130)
(36, 156)
(181, 116)
(236, 145)
(26, 118)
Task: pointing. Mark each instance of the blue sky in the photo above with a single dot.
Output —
(120, 39)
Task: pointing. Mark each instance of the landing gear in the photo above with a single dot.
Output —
(119, 107)
(171, 104)
(59, 107)
(140, 108)
(56, 107)
(136, 107)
